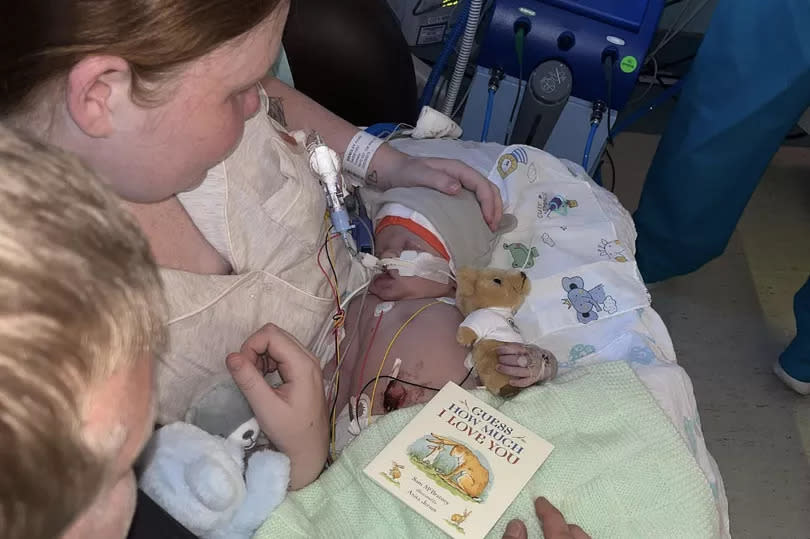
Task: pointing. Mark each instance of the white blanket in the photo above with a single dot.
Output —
(588, 303)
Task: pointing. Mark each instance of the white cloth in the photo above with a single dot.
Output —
(588, 303)
(271, 209)
(607, 234)
(206, 207)
(493, 323)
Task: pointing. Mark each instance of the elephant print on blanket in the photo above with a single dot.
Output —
(587, 303)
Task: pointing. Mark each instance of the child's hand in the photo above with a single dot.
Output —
(527, 364)
(293, 415)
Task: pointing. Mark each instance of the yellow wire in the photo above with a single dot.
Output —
(334, 408)
(332, 257)
(387, 350)
(338, 324)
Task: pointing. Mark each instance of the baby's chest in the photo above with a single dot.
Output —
(407, 332)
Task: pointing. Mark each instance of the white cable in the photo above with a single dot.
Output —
(677, 30)
(463, 59)
(440, 87)
(351, 295)
(649, 86)
(681, 13)
(398, 131)
(677, 27)
(461, 103)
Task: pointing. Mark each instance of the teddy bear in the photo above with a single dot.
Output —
(489, 298)
(210, 472)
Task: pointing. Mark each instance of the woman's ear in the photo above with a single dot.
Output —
(97, 88)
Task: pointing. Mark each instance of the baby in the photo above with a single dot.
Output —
(405, 328)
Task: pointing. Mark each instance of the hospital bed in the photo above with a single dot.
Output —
(610, 239)
(621, 411)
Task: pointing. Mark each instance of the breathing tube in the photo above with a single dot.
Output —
(441, 62)
(471, 28)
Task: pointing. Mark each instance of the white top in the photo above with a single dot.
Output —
(494, 323)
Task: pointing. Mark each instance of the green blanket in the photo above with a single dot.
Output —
(619, 469)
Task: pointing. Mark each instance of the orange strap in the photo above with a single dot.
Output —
(428, 236)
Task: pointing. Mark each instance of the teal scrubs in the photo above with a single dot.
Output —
(748, 85)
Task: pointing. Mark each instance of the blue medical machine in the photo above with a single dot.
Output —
(546, 71)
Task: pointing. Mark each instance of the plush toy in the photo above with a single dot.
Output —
(489, 298)
(208, 473)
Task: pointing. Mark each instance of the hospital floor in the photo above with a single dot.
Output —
(729, 321)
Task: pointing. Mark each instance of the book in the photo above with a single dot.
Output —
(459, 463)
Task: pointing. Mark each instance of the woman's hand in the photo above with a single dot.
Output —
(552, 523)
(293, 415)
(526, 363)
(391, 168)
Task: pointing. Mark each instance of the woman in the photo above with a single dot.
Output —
(154, 95)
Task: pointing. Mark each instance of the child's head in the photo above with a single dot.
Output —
(150, 93)
(449, 227)
(81, 315)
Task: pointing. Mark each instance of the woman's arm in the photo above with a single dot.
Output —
(295, 111)
(389, 167)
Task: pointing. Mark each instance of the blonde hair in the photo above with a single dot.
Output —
(42, 40)
(80, 298)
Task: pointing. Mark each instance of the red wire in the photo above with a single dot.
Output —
(332, 386)
(365, 359)
(339, 311)
(328, 279)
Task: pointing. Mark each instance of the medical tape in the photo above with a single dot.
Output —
(359, 153)
(425, 265)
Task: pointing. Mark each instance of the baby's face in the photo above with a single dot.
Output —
(389, 286)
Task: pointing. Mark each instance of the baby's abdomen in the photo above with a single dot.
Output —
(427, 349)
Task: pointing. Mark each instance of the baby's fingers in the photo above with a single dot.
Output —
(511, 348)
(513, 360)
(515, 372)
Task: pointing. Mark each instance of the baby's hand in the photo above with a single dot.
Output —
(293, 415)
(527, 364)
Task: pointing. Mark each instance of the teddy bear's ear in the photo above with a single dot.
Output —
(465, 281)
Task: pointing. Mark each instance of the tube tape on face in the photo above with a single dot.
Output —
(425, 265)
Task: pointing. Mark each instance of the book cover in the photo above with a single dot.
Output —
(459, 463)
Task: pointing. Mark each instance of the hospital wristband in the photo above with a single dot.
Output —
(358, 155)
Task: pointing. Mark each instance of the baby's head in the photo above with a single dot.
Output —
(449, 228)
(398, 229)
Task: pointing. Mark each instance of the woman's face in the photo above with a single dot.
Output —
(157, 151)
